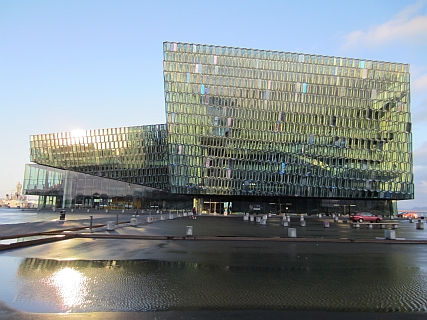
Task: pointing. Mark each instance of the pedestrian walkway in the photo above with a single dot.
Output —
(212, 226)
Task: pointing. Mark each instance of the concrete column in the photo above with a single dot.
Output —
(292, 233)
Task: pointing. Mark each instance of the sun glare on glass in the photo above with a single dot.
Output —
(78, 133)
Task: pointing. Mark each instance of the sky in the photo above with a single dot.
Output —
(88, 64)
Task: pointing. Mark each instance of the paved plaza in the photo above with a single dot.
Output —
(215, 240)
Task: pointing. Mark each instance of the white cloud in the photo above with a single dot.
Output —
(407, 27)
(419, 99)
(419, 84)
(419, 114)
(420, 156)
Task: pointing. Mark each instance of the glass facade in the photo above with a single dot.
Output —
(133, 154)
(69, 189)
(255, 122)
(248, 127)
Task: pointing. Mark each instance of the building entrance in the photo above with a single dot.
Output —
(216, 207)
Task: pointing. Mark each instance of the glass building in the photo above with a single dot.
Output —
(258, 130)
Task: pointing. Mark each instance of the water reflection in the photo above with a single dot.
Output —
(143, 285)
(70, 285)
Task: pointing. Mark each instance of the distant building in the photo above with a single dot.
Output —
(252, 130)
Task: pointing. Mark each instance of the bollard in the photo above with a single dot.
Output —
(162, 217)
(411, 221)
(289, 218)
(62, 215)
(356, 225)
(390, 234)
(258, 219)
(301, 218)
(336, 219)
(189, 231)
(117, 219)
(320, 215)
(326, 224)
(149, 219)
(110, 225)
(370, 226)
(184, 214)
(72, 210)
(53, 209)
(263, 222)
(123, 210)
(106, 210)
(344, 220)
(245, 218)
(134, 222)
(292, 233)
(91, 222)
(420, 225)
(252, 218)
(302, 223)
(170, 216)
(88, 210)
(285, 223)
(391, 217)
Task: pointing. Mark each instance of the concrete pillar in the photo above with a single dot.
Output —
(110, 225)
(292, 233)
(390, 234)
(189, 231)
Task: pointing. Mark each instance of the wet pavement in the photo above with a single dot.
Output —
(229, 269)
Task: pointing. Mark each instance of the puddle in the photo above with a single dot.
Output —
(38, 285)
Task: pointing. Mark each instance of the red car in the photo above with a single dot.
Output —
(365, 216)
(410, 215)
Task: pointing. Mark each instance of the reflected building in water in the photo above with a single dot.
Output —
(246, 130)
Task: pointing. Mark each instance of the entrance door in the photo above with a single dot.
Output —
(211, 207)
(218, 207)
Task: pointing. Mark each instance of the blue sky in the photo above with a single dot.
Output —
(68, 65)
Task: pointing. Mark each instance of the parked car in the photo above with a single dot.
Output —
(365, 216)
(410, 215)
